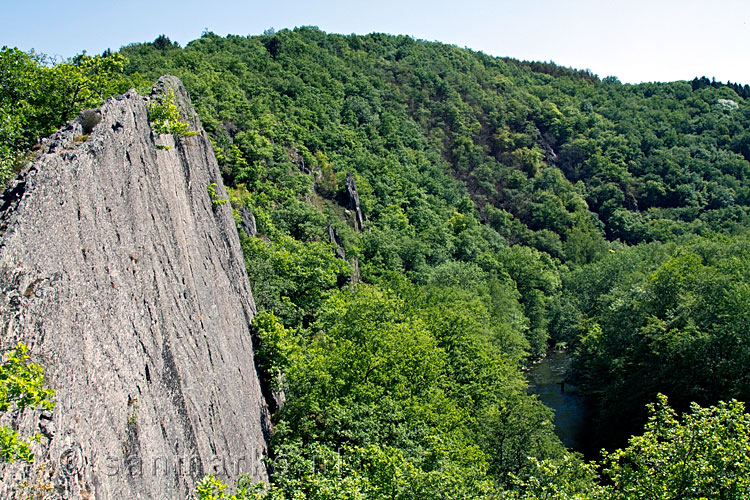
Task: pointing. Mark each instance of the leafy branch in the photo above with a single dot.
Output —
(216, 198)
(165, 118)
(22, 386)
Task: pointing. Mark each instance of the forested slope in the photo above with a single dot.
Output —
(506, 206)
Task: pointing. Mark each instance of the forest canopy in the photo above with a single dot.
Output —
(420, 222)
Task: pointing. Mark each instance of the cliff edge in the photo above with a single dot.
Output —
(128, 284)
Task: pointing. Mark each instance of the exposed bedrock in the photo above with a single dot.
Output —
(129, 287)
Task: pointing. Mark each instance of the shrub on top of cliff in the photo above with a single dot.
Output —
(21, 386)
(39, 94)
(165, 118)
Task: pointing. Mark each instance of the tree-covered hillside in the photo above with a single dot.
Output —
(505, 206)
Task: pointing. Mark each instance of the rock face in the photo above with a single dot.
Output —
(247, 221)
(727, 104)
(351, 190)
(333, 234)
(129, 288)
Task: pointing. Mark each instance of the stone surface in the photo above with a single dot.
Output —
(247, 221)
(130, 290)
(727, 104)
(355, 276)
(351, 190)
(333, 234)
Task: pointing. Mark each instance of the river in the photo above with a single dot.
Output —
(546, 379)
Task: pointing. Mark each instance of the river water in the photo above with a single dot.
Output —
(546, 379)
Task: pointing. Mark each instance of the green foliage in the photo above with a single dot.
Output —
(38, 95)
(660, 318)
(584, 245)
(21, 386)
(277, 348)
(210, 488)
(291, 278)
(378, 472)
(165, 118)
(431, 380)
(13, 447)
(494, 193)
(216, 199)
(706, 455)
(342, 375)
(537, 280)
(371, 472)
(568, 478)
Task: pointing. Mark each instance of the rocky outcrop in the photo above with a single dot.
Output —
(353, 195)
(333, 235)
(727, 104)
(247, 221)
(355, 276)
(129, 287)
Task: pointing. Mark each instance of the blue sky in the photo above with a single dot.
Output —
(635, 40)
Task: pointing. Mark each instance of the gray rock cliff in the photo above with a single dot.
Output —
(129, 287)
(353, 195)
